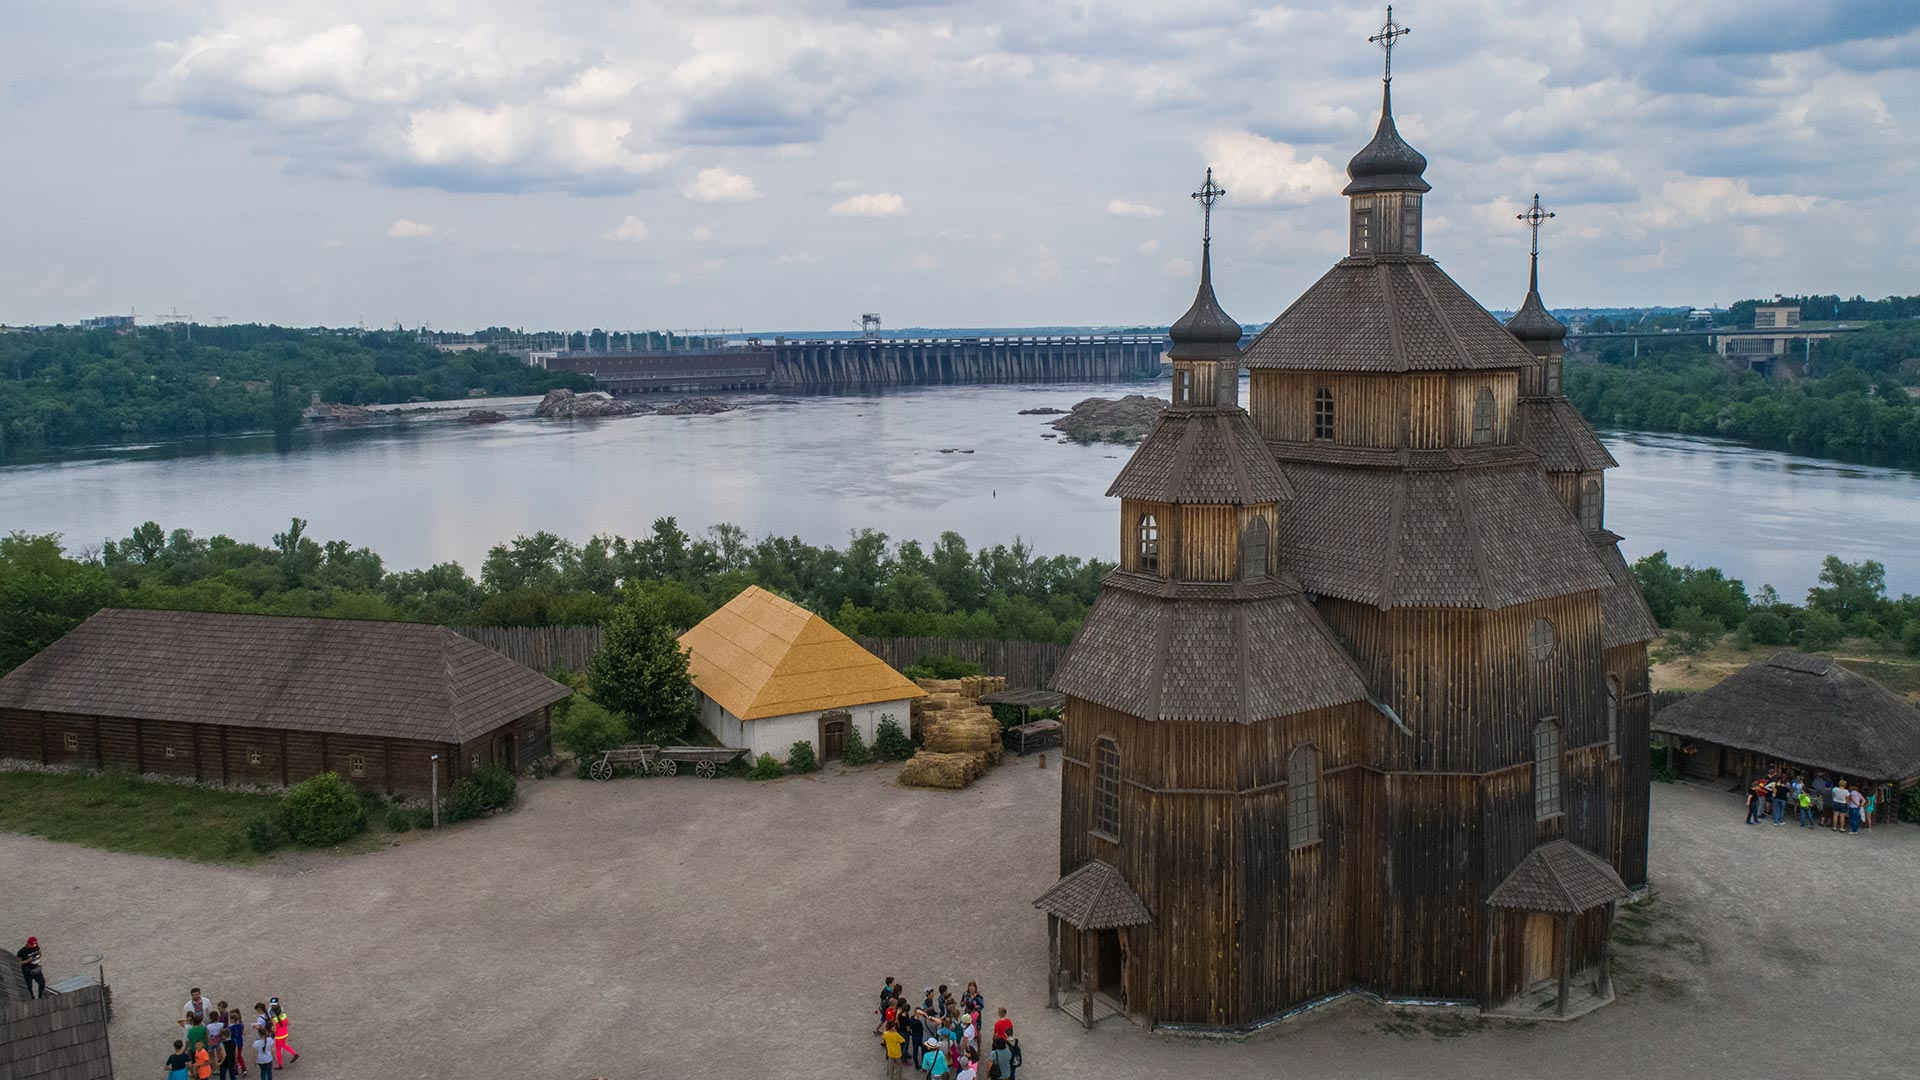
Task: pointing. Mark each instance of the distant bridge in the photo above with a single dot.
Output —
(874, 361)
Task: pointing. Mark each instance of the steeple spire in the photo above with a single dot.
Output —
(1387, 163)
(1205, 332)
(1533, 323)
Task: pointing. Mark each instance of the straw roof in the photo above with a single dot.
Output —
(761, 656)
(1806, 710)
(1095, 897)
(1561, 878)
(343, 676)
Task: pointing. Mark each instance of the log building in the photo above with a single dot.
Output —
(267, 700)
(1368, 652)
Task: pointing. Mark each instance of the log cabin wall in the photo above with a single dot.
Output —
(1131, 513)
(1209, 543)
(1628, 664)
(1566, 488)
(1422, 412)
(1505, 386)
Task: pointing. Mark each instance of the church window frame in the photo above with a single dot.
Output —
(1182, 386)
(1106, 788)
(1410, 223)
(1147, 543)
(1591, 503)
(1255, 540)
(1323, 413)
(1549, 797)
(1303, 797)
(1362, 239)
(1555, 368)
(1542, 641)
(1613, 718)
(1484, 411)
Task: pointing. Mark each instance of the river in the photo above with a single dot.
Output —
(421, 491)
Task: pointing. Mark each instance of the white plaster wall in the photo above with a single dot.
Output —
(776, 734)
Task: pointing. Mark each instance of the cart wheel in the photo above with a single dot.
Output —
(669, 767)
(704, 770)
(600, 770)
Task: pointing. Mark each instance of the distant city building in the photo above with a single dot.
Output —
(1776, 316)
(1771, 354)
(121, 323)
(1700, 315)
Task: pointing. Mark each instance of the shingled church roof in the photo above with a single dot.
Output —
(1561, 878)
(1625, 617)
(1207, 455)
(1095, 896)
(1386, 313)
(1561, 436)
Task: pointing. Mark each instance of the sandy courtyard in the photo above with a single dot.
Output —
(686, 928)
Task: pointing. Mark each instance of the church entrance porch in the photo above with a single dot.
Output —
(1091, 913)
(1549, 924)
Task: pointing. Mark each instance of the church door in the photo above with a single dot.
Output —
(1541, 942)
(1112, 965)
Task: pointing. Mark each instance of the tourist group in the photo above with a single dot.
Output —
(940, 1036)
(216, 1040)
(1821, 802)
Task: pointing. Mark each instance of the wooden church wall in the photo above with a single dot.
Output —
(1424, 412)
(1629, 664)
(1131, 511)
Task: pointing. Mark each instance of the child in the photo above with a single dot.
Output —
(202, 1063)
(177, 1061)
(263, 1050)
(893, 1041)
(281, 1022)
(236, 1046)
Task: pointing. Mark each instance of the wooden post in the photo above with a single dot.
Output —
(1053, 961)
(1603, 983)
(1566, 961)
(99, 749)
(1086, 978)
(225, 757)
(283, 758)
(1495, 918)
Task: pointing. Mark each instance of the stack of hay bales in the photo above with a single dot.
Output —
(959, 736)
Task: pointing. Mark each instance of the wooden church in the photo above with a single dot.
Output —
(1364, 706)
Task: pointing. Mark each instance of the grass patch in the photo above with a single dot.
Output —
(121, 812)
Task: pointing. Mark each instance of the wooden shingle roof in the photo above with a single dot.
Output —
(1625, 617)
(1561, 436)
(1209, 456)
(1807, 710)
(345, 676)
(1095, 897)
(1386, 314)
(1461, 537)
(761, 656)
(1561, 878)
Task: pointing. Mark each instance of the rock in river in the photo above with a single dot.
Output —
(483, 416)
(1118, 420)
(567, 405)
(695, 406)
(1043, 411)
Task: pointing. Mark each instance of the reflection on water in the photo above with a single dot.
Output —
(427, 490)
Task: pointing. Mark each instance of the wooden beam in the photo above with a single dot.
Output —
(1086, 978)
(1566, 961)
(1603, 982)
(1053, 961)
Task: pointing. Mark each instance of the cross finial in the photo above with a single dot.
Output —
(1208, 194)
(1535, 216)
(1390, 32)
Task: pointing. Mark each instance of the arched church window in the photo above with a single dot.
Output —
(1303, 796)
(1613, 717)
(1541, 640)
(1253, 549)
(1149, 543)
(1546, 770)
(1323, 413)
(1590, 503)
(1483, 416)
(1106, 786)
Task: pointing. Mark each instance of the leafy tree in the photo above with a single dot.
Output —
(587, 729)
(1849, 589)
(1821, 630)
(1768, 628)
(1694, 631)
(43, 594)
(640, 672)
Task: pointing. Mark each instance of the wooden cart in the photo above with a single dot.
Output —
(648, 758)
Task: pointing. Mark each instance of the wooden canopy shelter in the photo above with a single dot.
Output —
(1805, 711)
(266, 700)
(1556, 883)
(1096, 901)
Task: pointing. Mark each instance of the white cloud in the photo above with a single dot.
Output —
(873, 204)
(630, 228)
(1177, 267)
(406, 229)
(1718, 198)
(1148, 247)
(1123, 208)
(718, 185)
(1258, 170)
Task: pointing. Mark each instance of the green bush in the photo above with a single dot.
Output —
(1910, 637)
(422, 817)
(322, 810)
(490, 788)
(890, 743)
(399, 819)
(1821, 630)
(1910, 805)
(766, 769)
(588, 729)
(263, 835)
(856, 751)
(942, 667)
(372, 801)
(801, 759)
(1768, 628)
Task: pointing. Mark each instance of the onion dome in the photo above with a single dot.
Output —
(1387, 163)
(1205, 332)
(1534, 323)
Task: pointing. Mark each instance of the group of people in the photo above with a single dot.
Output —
(942, 1036)
(215, 1038)
(1817, 802)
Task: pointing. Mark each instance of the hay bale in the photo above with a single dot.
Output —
(938, 686)
(970, 730)
(947, 771)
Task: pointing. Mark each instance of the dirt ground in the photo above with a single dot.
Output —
(687, 928)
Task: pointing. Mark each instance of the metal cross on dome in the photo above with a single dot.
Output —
(1390, 32)
(1208, 194)
(1534, 216)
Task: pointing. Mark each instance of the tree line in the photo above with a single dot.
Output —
(872, 586)
(1700, 605)
(66, 387)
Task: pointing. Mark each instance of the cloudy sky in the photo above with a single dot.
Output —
(998, 163)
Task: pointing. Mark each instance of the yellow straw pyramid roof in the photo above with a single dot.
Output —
(761, 656)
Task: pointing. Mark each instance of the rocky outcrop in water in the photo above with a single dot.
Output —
(482, 416)
(567, 405)
(1043, 411)
(1116, 420)
(697, 406)
(330, 411)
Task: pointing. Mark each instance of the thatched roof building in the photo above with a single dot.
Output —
(1807, 711)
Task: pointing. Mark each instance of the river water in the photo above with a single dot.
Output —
(427, 490)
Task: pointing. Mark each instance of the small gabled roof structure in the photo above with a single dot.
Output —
(1203, 456)
(761, 656)
(1385, 314)
(1094, 897)
(1559, 877)
(1806, 710)
(343, 676)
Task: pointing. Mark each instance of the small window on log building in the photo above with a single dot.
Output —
(1253, 549)
(1362, 227)
(1483, 416)
(1590, 504)
(1323, 413)
(1553, 375)
(72, 743)
(1149, 544)
(1546, 770)
(1106, 787)
(356, 765)
(254, 757)
(1303, 796)
(1540, 640)
(1182, 387)
(1613, 717)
